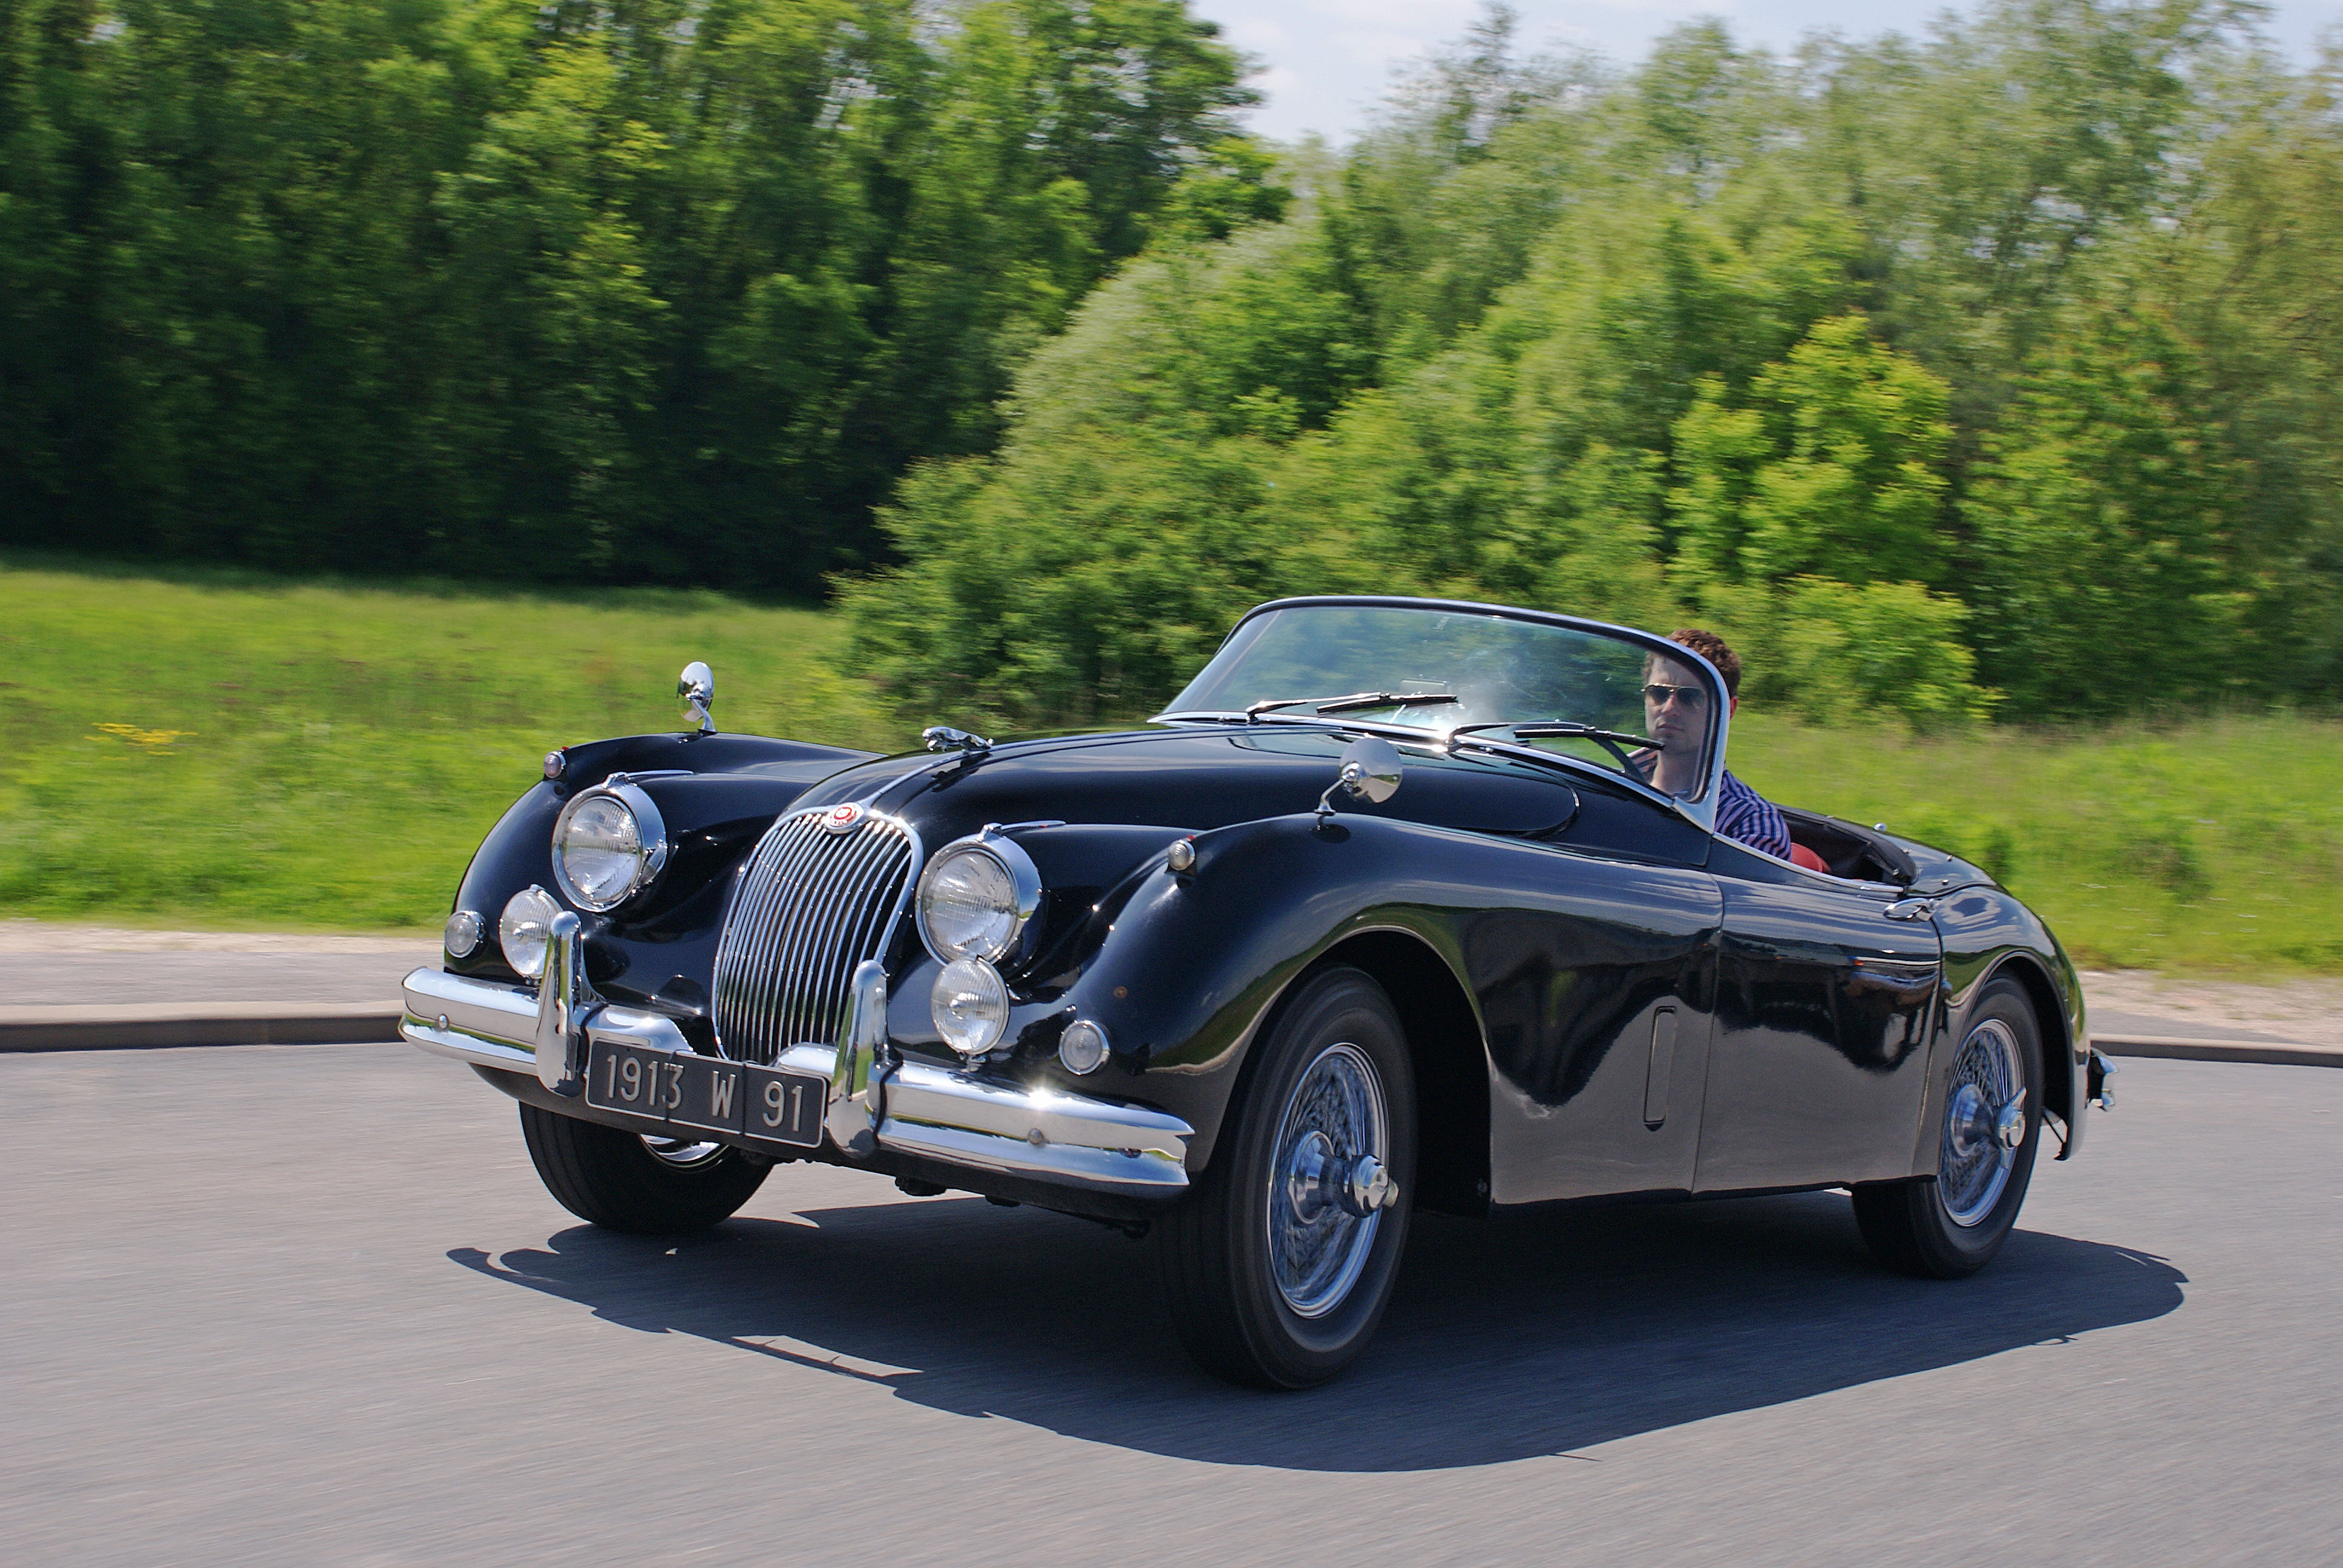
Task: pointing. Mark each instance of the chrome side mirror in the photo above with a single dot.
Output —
(697, 686)
(1371, 771)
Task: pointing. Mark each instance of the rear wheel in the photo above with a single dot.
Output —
(624, 1181)
(1991, 1127)
(1280, 1262)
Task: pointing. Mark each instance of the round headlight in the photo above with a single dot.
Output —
(969, 1005)
(608, 846)
(521, 932)
(976, 899)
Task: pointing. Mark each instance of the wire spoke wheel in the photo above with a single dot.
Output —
(1279, 1263)
(1985, 1101)
(1334, 1143)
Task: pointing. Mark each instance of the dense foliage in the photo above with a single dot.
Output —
(664, 290)
(1997, 372)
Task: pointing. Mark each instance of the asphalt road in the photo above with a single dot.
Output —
(310, 1305)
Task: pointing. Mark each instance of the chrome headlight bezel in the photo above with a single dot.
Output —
(1024, 900)
(650, 833)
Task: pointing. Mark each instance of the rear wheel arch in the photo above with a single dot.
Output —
(2049, 1022)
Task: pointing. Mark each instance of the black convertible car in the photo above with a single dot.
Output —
(1388, 909)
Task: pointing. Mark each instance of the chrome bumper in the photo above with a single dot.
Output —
(876, 1097)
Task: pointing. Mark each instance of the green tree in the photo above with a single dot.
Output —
(1833, 467)
(2100, 515)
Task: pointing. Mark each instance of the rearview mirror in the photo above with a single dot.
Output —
(697, 686)
(1370, 771)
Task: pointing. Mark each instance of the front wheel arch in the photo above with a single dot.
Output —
(1450, 1054)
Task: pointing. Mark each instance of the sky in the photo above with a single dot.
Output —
(1324, 63)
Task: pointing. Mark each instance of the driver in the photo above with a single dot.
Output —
(1676, 714)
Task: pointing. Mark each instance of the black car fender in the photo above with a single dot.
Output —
(716, 794)
(1988, 935)
(1191, 965)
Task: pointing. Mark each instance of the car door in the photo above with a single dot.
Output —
(1825, 993)
(1594, 983)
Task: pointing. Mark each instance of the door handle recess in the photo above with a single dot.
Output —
(1663, 1068)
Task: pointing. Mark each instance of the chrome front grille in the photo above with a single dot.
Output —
(812, 905)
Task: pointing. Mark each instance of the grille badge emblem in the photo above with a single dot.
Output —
(841, 819)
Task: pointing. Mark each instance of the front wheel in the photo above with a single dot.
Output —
(1984, 1157)
(624, 1181)
(1278, 1265)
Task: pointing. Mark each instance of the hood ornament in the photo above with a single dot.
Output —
(697, 686)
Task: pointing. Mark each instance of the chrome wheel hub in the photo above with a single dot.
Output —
(1985, 1123)
(1330, 1180)
(681, 1154)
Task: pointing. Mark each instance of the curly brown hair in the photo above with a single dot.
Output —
(1715, 650)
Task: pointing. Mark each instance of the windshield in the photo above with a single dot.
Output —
(1501, 672)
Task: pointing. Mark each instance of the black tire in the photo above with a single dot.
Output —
(1912, 1225)
(610, 1178)
(1215, 1250)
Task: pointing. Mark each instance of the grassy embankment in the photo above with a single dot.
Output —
(225, 753)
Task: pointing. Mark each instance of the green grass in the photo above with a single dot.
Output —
(223, 751)
(2214, 846)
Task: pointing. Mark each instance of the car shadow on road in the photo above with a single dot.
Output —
(1506, 1338)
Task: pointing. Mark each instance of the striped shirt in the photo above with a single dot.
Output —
(1742, 813)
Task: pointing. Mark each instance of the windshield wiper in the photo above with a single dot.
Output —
(1562, 730)
(1356, 701)
(1615, 741)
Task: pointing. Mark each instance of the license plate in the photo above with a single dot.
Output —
(704, 1093)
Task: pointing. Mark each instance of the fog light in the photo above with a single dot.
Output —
(463, 934)
(1082, 1048)
(522, 930)
(969, 1005)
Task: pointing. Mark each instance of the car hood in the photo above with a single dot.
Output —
(1191, 777)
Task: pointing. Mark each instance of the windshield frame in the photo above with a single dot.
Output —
(1701, 807)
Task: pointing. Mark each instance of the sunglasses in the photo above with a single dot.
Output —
(1659, 695)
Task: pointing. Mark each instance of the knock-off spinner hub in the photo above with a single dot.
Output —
(1320, 1177)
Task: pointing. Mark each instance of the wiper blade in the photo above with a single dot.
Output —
(1355, 702)
(1562, 730)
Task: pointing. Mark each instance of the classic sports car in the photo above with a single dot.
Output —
(1388, 909)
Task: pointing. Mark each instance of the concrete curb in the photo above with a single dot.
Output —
(145, 1028)
(2275, 1053)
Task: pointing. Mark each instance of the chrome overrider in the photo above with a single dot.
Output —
(878, 1100)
